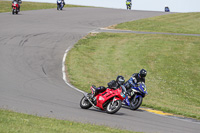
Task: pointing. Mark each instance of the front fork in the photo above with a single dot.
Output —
(85, 94)
(134, 98)
(113, 100)
(127, 102)
(113, 104)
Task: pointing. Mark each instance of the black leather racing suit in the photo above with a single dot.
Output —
(135, 78)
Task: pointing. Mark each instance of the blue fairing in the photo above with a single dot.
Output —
(139, 91)
(126, 101)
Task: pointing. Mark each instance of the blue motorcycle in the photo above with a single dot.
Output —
(136, 95)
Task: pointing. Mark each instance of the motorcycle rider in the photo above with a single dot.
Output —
(167, 8)
(18, 2)
(128, 2)
(135, 78)
(114, 84)
(63, 2)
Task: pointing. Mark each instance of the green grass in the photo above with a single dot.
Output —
(173, 23)
(5, 6)
(172, 62)
(11, 122)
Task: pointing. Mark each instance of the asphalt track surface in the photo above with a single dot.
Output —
(32, 45)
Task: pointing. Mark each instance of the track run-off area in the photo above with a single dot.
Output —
(32, 45)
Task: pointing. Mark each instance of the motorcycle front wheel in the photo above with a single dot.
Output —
(84, 103)
(134, 105)
(113, 108)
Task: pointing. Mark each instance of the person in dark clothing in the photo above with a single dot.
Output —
(62, 2)
(114, 84)
(167, 9)
(135, 78)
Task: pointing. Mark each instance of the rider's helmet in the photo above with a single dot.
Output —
(120, 80)
(143, 73)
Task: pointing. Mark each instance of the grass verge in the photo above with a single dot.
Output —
(23, 123)
(187, 23)
(172, 62)
(5, 6)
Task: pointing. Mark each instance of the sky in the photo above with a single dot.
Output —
(147, 5)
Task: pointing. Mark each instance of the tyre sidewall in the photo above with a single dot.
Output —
(136, 105)
(87, 103)
(116, 109)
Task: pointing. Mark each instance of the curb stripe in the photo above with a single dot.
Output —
(157, 112)
(64, 74)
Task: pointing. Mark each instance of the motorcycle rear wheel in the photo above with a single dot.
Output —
(84, 103)
(134, 105)
(111, 109)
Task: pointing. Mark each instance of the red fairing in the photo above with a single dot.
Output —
(14, 6)
(110, 100)
(108, 94)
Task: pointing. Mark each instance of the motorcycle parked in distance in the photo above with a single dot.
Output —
(110, 100)
(60, 4)
(15, 7)
(136, 96)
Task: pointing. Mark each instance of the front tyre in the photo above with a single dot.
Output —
(113, 108)
(84, 103)
(134, 105)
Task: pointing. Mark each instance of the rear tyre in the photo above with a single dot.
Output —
(134, 105)
(113, 108)
(84, 103)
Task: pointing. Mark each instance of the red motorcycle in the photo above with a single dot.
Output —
(15, 7)
(110, 100)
